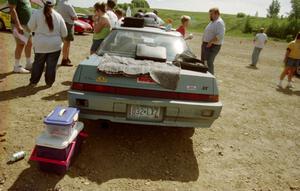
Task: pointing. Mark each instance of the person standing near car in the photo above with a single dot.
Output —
(213, 38)
(20, 11)
(113, 19)
(49, 28)
(69, 15)
(185, 22)
(120, 14)
(101, 26)
(292, 61)
(260, 41)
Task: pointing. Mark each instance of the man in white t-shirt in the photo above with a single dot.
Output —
(113, 19)
(213, 38)
(260, 41)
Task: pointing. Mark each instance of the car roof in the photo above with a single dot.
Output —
(151, 30)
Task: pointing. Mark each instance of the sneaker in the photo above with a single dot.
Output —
(49, 85)
(21, 70)
(290, 86)
(28, 67)
(32, 85)
(279, 85)
(65, 62)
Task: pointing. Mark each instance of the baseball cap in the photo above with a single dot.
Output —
(49, 2)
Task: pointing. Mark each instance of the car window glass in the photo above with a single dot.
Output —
(124, 43)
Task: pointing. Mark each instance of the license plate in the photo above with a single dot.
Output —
(144, 113)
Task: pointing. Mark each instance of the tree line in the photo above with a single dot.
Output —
(135, 4)
(283, 30)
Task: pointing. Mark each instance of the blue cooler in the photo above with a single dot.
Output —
(61, 121)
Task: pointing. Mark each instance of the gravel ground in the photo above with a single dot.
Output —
(254, 145)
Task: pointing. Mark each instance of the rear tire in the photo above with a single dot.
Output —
(2, 26)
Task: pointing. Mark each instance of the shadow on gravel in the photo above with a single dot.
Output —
(34, 180)
(252, 67)
(23, 91)
(288, 91)
(124, 151)
(136, 152)
(4, 75)
(59, 96)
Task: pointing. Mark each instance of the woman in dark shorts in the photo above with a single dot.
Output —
(292, 61)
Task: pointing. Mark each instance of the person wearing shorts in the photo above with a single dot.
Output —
(69, 15)
(292, 61)
(102, 26)
(20, 14)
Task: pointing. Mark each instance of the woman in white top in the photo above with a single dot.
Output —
(49, 28)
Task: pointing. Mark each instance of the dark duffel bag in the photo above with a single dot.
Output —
(188, 61)
(197, 67)
(133, 22)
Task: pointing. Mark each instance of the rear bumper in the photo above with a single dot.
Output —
(114, 108)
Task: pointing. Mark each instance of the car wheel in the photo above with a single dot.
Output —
(2, 26)
(298, 71)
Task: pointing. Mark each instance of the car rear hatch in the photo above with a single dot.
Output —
(192, 86)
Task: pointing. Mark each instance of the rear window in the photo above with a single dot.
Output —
(124, 43)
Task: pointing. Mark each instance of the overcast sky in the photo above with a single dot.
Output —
(226, 6)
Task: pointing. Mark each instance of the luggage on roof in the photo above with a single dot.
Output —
(133, 22)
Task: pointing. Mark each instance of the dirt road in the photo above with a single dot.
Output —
(255, 145)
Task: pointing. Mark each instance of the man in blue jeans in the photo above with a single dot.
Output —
(213, 38)
(260, 41)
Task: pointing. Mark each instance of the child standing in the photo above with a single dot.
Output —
(185, 21)
(292, 61)
(102, 26)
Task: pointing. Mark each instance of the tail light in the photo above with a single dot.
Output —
(144, 92)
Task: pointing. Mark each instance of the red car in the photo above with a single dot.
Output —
(86, 18)
(82, 27)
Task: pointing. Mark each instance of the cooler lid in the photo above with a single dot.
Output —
(47, 140)
(62, 116)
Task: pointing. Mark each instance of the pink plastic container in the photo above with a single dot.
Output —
(51, 165)
(48, 164)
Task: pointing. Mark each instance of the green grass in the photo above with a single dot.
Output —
(234, 25)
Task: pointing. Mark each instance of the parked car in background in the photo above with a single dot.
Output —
(138, 99)
(5, 18)
(82, 27)
(86, 18)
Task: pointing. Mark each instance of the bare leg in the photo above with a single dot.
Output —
(28, 48)
(18, 53)
(19, 50)
(66, 49)
(284, 73)
(291, 74)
